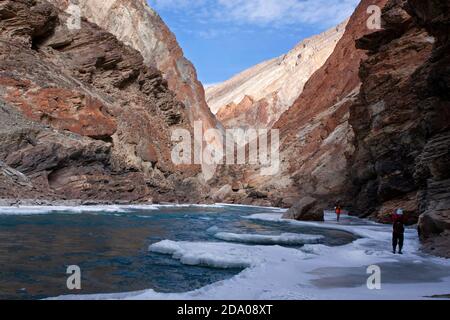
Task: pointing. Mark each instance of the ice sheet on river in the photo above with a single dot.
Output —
(314, 272)
(283, 239)
(100, 209)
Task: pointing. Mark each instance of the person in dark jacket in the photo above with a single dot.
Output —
(398, 234)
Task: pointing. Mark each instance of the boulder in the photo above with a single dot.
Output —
(305, 210)
(256, 194)
(222, 193)
(236, 186)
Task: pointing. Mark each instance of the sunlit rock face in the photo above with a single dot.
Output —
(82, 116)
(258, 96)
(136, 24)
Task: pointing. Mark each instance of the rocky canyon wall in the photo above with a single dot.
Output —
(316, 137)
(371, 127)
(82, 115)
(139, 26)
(402, 120)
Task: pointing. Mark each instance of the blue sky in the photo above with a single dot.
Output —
(224, 37)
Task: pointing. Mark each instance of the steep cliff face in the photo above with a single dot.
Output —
(139, 26)
(82, 115)
(316, 137)
(257, 97)
(402, 120)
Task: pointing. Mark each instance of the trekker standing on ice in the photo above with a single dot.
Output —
(398, 231)
(338, 211)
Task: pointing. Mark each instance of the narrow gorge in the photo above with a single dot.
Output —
(349, 137)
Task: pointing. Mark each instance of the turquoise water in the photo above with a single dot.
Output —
(111, 248)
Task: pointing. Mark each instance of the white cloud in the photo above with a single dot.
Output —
(264, 12)
(285, 12)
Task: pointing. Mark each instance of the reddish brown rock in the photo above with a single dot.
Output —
(246, 114)
(63, 109)
(316, 137)
(83, 116)
(139, 26)
(335, 80)
(147, 152)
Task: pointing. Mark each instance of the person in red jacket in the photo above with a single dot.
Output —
(398, 219)
(338, 211)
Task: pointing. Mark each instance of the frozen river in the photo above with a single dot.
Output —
(205, 252)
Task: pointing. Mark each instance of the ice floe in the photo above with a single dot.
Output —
(283, 239)
(210, 254)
